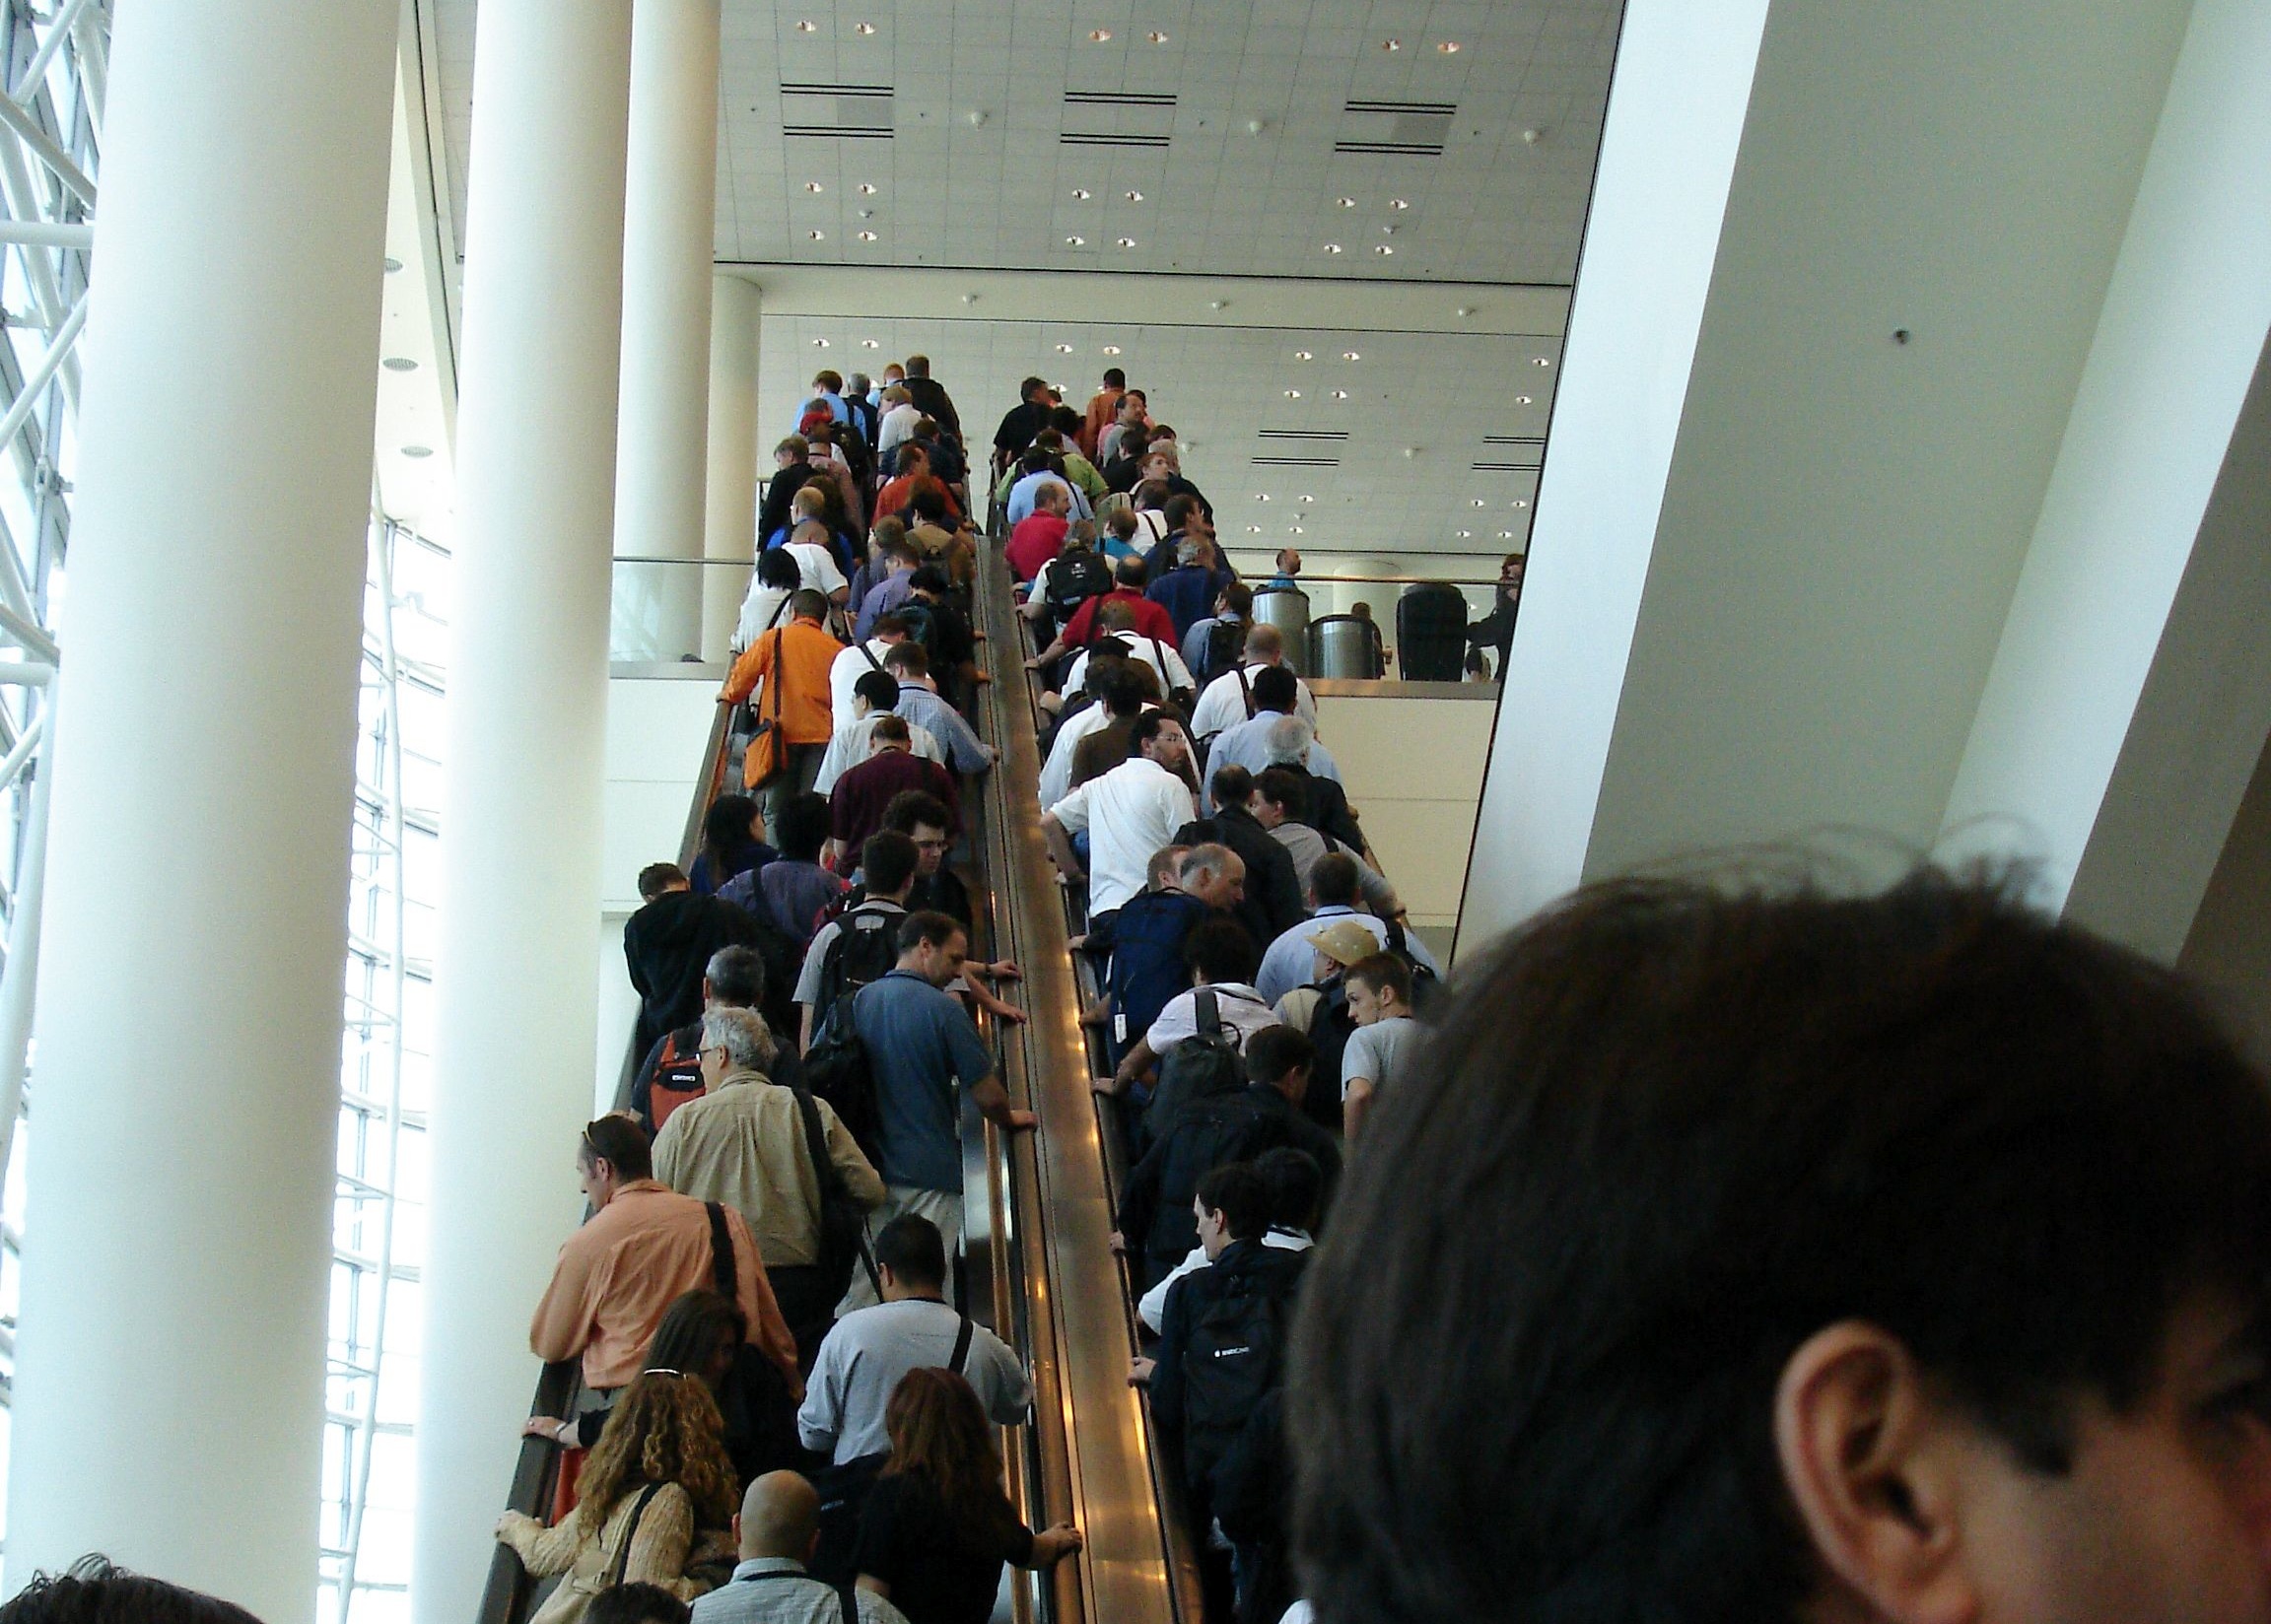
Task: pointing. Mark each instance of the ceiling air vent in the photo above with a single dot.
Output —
(840, 113)
(1300, 434)
(1296, 462)
(1396, 129)
(1138, 120)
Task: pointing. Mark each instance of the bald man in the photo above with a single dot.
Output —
(778, 1532)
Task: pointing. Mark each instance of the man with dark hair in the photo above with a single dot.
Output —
(951, 648)
(857, 801)
(1283, 804)
(643, 1248)
(1223, 960)
(920, 703)
(1144, 939)
(94, 1592)
(929, 396)
(792, 888)
(793, 466)
(1221, 1351)
(668, 944)
(1022, 420)
(1211, 649)
(1129, 813)
(794, 712)
(1879, 1259)
(1265, 740)
(1294, 1177)
(914, 1327)
(1269, 903)
(1229, 698)
(1103, 407)
(1128, 584)
(861, 944)
(924, 1050)
(1154, 1214)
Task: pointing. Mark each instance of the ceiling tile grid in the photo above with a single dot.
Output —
(1420, 411)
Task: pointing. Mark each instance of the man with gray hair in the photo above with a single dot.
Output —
(777, 1531)
(1216, 875)
(748, 1144)
(1275, 735)
(1229, 698)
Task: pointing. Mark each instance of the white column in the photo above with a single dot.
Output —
(517, 953)
(668, 246)
(730, 530)
(170, 1390)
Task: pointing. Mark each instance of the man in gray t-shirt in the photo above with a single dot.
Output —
(1386, 1040)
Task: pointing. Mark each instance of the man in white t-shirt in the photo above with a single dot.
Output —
(1156, 653)
(1129, 813)
(1222, 959)
(899, 419)
(1381, 1051)
(875, 696)
(1230, 699)
(858, 660)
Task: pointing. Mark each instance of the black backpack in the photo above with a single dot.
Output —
(1206, 1064)
(1424, 983)
(1330, 1027)
(836, 1069)
(1235, 1355)
(1071, 579)
(921, 626)
(844, 1492)
(866, 948)
(1225, 641)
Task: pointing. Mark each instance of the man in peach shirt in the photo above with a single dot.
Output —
(643, 1248)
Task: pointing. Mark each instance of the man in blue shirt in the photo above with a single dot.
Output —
(922, 1047)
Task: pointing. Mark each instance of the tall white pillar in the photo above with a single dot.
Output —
(168, 1397)
(730, 528)
(669, 229)
(517, 955)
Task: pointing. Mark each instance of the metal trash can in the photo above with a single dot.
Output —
(1346, 646)
(1287, 609)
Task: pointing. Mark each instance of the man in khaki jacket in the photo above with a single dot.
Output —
(744, 1144)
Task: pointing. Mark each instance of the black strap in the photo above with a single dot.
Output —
(778, 672)
(1207, 1010)
(846, 1600)
(844, 1596)
(779, 609)
(825, 1171)
(869, 655)
(961, 1354)
(1245, 688)
(721, 1254)
(631, 1531)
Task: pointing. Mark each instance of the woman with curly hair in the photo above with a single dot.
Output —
(657, 1502)
(936, 1527)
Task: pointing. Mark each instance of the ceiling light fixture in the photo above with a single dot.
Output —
(807, 26)
(1296, 529)
(1075, 243)
(1465, 535)
(1081, 194)
(1399, 203)
(1135, 197)
(1301, 355)
(1478, 501)
(1450, 47)
(864, 27)
(867, 236)
(1261, 496)
(816, 235)
(813, 186)
(1308, 499)
(1385, 248)
(1063, 348)
(1350, 355)
(1099, 37)
(870, 344)
(1347, 202)
(1111, 349)
(866, 188)
(1521, 400)
(1293, 394)
(1505, 535)
(1331, 248)
(1156, 37)
(1541, 361)
(1521, 503)
(1339, 394)
(819, 344)
(1126, 242)
(1391, 44)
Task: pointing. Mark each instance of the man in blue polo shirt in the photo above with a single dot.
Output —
(920, 1046)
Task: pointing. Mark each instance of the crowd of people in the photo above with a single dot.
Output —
(1716, 1251)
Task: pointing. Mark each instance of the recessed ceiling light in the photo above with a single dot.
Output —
(1465, 535)
(813, 186)
(1505, 535)
(1339, 394)
(816, 235)
(1391, 44)
(1520, 504)
(1301, 355)
(1063, 348)
(819, 344)
(399, 364)
(1253, 529)
(870, 344)
(1347, 202)
(417, 450)
(1293, 394)
(1478, 501)
(866, 188)
(867, 236)
(1385, 248)
(1521, 400)
(1450, 47)
(1075, 243)
(1261, 496)
(1156, 37)
(807, 26)
(1296, 529)
(1541, 361)
(1308, 499)
(1135, 197)
(1399, 203)
(862, 28)
(1331, 248)
(1081, 194)
(1111, 349)
(1126, 242)
(1099, 37)
(1350, 355)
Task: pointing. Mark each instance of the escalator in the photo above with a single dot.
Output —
(1038, 1209)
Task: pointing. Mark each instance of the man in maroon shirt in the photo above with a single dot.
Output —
(1128, 584)
(862, 794)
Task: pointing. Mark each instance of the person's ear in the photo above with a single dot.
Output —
(1874, 1465)
(736, 1531)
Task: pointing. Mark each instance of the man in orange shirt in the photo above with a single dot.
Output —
(1103, 407)
(793, 664)
(643, 1248)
